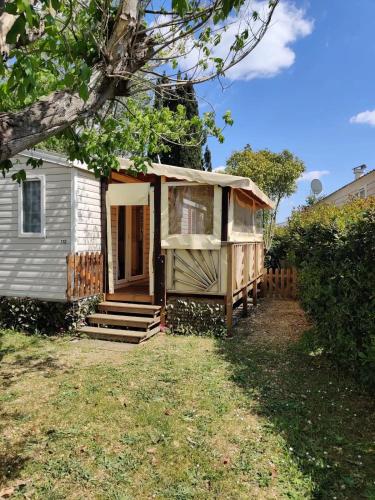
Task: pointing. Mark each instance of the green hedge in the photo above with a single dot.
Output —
(334, 251)
(50, 318)
(193, 317)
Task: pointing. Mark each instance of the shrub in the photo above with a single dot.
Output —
(333, 249)
(276, 255)
(192, 317)
(36, 316)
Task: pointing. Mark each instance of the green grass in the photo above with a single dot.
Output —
(183, 418)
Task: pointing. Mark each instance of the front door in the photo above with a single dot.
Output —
(129, 236)
(131, 257)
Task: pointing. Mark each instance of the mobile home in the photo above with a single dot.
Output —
(140, 240)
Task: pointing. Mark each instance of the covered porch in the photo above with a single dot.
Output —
(175, 232)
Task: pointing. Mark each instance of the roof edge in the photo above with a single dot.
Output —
(54, 157)
(346, 185)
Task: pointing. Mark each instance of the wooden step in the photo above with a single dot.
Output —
(125, 307)
(129, 297)
(117, 320)
(132, 337)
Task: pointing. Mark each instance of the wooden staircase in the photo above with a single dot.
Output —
(123, 322)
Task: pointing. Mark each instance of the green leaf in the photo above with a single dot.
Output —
(227, 6)
(227, 117)
(19, 176)
(35, 162)
(17, 29)
(5, 166)
(29, 15)
(55, 4)
(180, 6)
(11, 8)
(83, 91)
(68, 80)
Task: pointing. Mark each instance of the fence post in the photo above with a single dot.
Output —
(229, 296)
(245, 279)
(101, 273)
(256, 267)
(70, 269)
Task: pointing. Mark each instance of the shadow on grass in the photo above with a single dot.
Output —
(11, 347)
(22, 366)
(22, 355)
(11, 464)
(13, 456)
(327, 424)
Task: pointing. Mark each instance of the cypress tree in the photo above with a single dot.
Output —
(191, 156)
(170, 97)
(166, 97)
(207, 160)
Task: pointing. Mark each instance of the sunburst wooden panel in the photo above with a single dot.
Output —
(196, 270)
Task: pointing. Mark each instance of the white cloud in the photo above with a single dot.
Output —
(274, 52)
(220, 169)
(313, 174)
(366, 117)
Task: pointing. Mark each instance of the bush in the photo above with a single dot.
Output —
(50, 318)
(191, 317)
(333, 249)
(276, 255)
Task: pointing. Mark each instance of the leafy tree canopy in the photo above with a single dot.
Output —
(275, 173)
(85, 69)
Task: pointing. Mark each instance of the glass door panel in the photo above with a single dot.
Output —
(137, 241)
(121, 244)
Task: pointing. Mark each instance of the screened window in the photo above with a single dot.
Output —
(242, 214)
(191, 209)
(32, 206)
(259, 220)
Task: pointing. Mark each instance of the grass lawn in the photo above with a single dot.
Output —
(184, 418)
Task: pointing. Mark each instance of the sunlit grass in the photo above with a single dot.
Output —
(180, 418)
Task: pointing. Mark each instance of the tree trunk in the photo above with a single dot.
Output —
(24, 129)
(125, 52)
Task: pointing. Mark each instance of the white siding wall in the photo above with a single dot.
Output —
(36, 267)
(88, 220)
(343, 195)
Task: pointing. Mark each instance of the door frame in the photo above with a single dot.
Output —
(124, 196)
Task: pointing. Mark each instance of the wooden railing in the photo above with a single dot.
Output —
(244, 270)
(85, 275)
(280, 283)
(247, 264)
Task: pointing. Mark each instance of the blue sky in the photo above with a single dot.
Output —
(313, 74)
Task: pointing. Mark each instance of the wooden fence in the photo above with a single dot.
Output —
(280, 283)
(85, 274)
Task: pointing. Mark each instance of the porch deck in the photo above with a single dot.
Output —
(137, 291)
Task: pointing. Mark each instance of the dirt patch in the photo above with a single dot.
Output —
(275, 322)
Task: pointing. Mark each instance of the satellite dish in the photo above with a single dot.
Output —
(316, 186)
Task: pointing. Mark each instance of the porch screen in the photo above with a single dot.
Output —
(242, 214)
(259, 220)
(191, 209)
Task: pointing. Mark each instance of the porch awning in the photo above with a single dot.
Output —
(201, 177)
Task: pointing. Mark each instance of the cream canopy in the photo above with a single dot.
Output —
(202, 177)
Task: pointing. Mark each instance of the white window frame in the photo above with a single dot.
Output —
(358, 193)
(42, 233)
